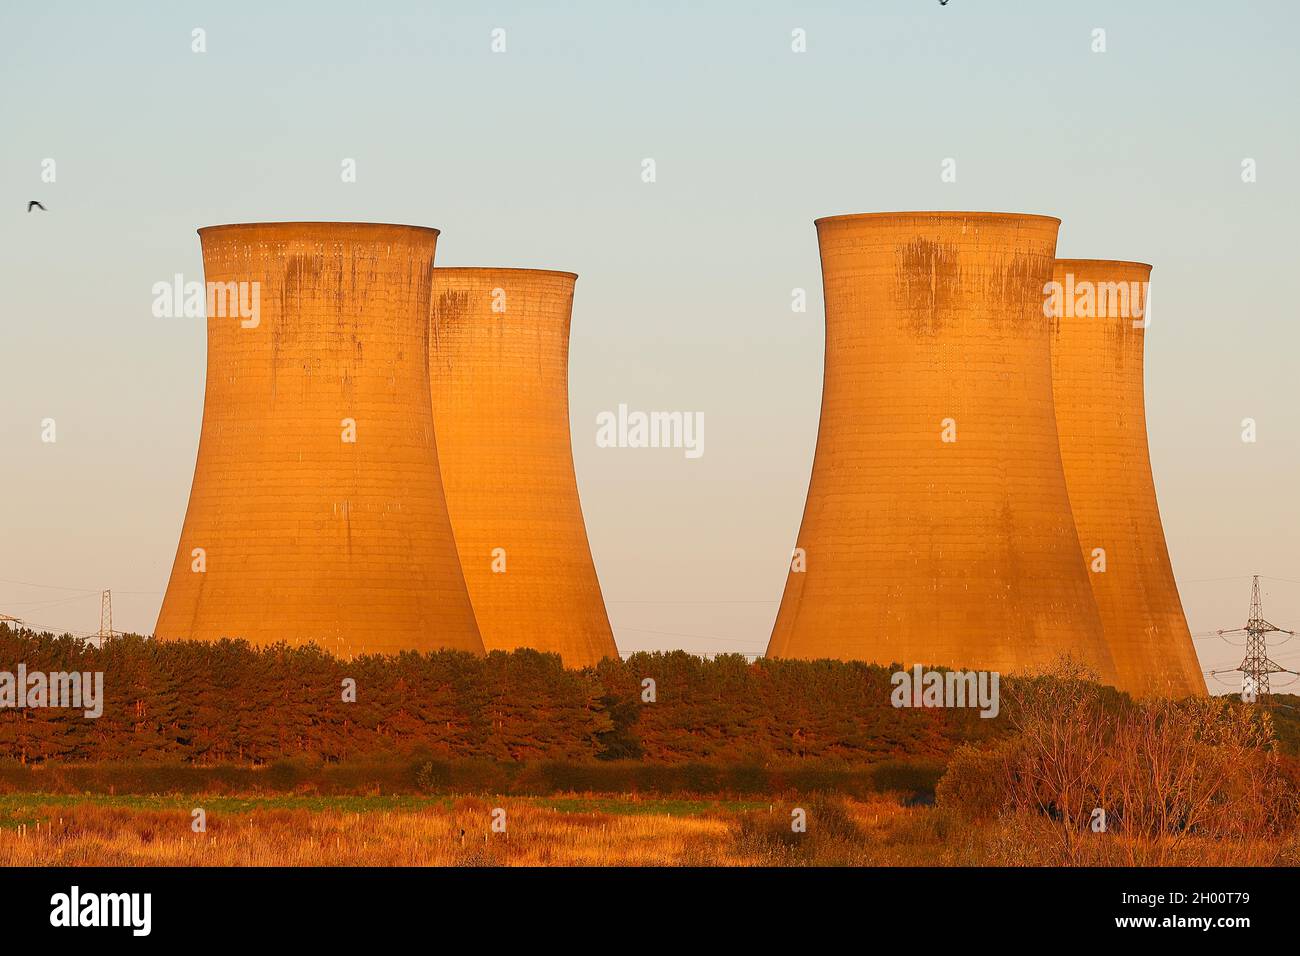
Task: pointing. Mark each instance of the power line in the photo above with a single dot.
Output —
(1256, 667)
(49, 587)
(62, 587)
(44, 628)
(50, 603)
(104, 632)
(1236, 577)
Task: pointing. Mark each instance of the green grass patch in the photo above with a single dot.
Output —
(18, 808)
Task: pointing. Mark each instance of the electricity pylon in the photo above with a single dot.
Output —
(105, 617)
(1256, 666)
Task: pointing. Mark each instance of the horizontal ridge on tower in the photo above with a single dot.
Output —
(317, 514)
(499, 370)
(1099, 316)
(937, 528)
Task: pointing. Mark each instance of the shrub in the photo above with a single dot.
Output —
(975, 784)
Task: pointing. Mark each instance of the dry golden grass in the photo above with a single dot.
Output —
(98, 835)
(582, 831)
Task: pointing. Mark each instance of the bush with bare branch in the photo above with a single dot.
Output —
(1123, 780)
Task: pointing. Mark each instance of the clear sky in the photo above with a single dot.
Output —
(533, 157)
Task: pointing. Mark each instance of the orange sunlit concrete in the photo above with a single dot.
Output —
(1098, 336)
(317, 512)
(937, 528)
(499, 368)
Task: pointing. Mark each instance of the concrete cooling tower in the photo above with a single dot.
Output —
(317, 512)
(1097, 354)
(937, 528)
(499, 367)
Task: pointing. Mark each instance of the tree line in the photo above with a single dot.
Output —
(229, 702)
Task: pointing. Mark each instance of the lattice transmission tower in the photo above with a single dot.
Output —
(1256, 666)
(105, 617)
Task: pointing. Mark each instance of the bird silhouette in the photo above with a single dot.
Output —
(943, 3)
(37, 205)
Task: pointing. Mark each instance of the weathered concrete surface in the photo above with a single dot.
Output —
(956, 553)
(1097, 363)
(307, 537)
(499, 367)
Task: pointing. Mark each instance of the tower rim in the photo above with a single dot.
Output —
(316, 224)
(949, 214)
(1066, 260)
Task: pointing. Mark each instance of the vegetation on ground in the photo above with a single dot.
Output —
(509, 759)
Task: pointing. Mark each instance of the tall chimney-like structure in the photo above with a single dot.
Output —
(499, 368)
(937, 528)
(317, 511)
(1099, 323)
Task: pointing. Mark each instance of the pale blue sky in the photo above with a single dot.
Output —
(532, 158)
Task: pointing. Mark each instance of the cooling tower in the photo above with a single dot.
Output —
(317, 511)
(937, 528)
(1097, 350)
(499, 367)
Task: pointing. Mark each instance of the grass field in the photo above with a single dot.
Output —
(49, 829)
(570, 830)
(1078, 779)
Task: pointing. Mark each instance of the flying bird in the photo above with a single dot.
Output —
(37, 205)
